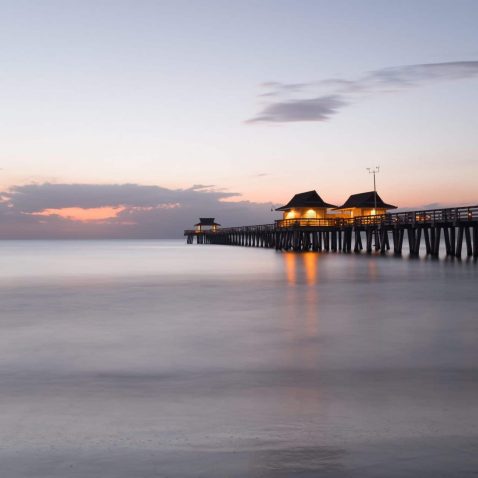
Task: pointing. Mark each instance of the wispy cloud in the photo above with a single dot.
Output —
(321, 99)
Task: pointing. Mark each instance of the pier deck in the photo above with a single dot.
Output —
(457, 226)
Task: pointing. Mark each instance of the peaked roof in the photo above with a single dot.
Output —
(307, 199)
(207, 221)
(365, 200)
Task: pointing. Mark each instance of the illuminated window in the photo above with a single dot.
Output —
(311, 213)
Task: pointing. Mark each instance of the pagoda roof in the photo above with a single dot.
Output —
(366, 200)
(206, 221)
(307, 199)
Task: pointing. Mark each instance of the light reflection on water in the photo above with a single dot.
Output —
(306, 264)
(139, 358)
(302, 305)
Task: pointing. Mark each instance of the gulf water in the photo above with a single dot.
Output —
(139, 359)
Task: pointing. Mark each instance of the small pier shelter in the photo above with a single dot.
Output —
(206, 224)
(307, 205)
(364, 204)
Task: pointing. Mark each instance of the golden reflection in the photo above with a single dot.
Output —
(301, 267)
(290, 267)
(310, 261)
(310, 266)
(372, 270)
(302, 302)
(302, 350)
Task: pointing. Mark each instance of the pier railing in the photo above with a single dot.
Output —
(309, 222)
(254, 228)
(428, 216)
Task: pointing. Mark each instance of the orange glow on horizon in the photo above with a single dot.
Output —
(81, 214)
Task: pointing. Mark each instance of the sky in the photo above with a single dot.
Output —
(133, 118)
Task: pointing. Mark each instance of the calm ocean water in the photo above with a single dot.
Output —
(139, 359)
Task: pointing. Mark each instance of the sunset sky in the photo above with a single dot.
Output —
(132, 118)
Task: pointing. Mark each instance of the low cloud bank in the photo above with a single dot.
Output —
(142, 211)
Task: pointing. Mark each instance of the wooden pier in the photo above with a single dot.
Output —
(456, 228)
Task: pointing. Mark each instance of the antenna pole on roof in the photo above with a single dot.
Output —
(374, 171)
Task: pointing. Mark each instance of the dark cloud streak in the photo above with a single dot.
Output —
(315, 109)
(319, 100)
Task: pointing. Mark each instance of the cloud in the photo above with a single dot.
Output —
(319, 100)
(142, 211)
(37, 197)
(315, 109)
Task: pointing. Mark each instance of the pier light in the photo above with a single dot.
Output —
(373, 212)
(311, 213)
(290, 215)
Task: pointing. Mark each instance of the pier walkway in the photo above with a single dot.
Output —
(457, 227)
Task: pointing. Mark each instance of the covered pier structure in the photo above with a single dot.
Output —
(454, 228)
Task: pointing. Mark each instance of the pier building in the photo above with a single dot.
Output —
(206, 224)
(364, 204)
(307, 205)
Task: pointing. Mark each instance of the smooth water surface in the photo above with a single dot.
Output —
(139, 359)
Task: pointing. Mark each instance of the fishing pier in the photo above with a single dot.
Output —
(361, 223)
(457, 228)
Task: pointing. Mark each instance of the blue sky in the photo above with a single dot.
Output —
(159, 93)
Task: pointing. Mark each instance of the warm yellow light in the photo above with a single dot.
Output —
(374, 212)
(311, 213)
(290, 215)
